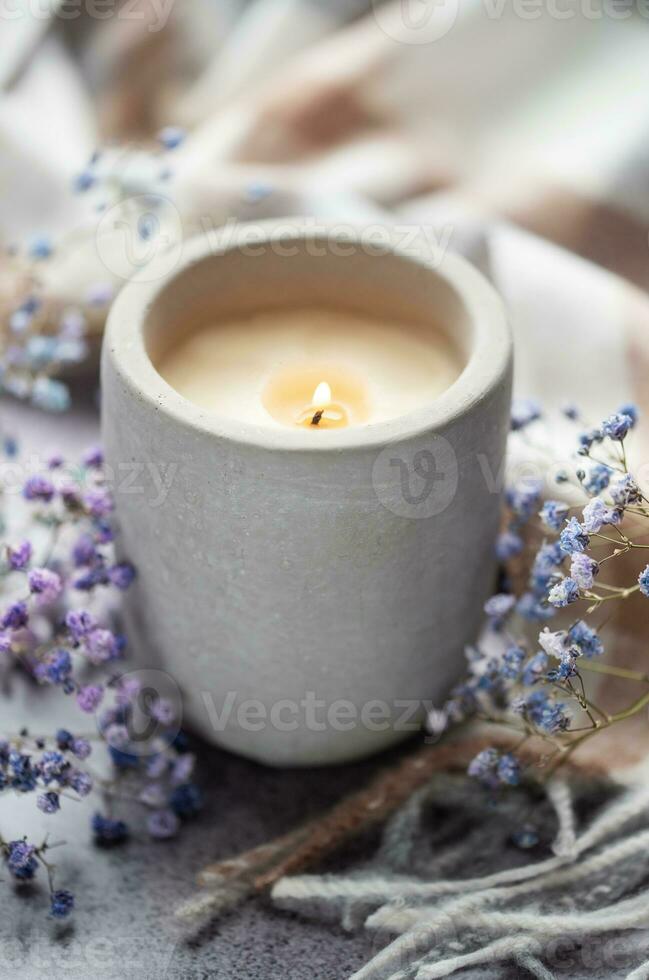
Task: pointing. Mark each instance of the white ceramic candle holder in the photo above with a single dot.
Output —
(310, 592)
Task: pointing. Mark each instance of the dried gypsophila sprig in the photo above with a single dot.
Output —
(55, 578)
(544, 695)
(40, 335)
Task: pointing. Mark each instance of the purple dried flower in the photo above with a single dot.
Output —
(80, 782)
(163, 711)
(80, 748)
(20, 556)
(52, 765)
(101, 646)
(183, 767)
(117, 736)
(121, 575)
(45, 584)
(163, 824)
(61, 904)
(93, 458)
(55, 667)
(108, 831)
(80, 623)
(596, 513)
(89, 697)
(38, 488)
(98, 502)
(583, 570)
(127, 691)
(21, 860)
(625, 491)
(48, 802)
(15, 617)
(84, 551)
(153, 794)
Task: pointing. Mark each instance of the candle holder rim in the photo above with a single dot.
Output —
(487, 365)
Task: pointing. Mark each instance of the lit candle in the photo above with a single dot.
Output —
(313, 369)
(317, 494)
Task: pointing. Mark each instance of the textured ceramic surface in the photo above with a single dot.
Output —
(310, 596)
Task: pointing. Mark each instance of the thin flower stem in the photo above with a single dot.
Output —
(632, 709)
(612, 671)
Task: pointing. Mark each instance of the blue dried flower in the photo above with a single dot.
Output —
(21, 860)
(508, 770)
(616, 426)
(525, 838)
(23, 777)
(186, 800)
(586, 439)
(51, 395)
(598, 479)
(524, 499)
(498, 608)
(108, 831)
(524, 412)
(48, 802)
(513, 658)
(52, 766)
(553, 514)
(583, 570)
(586, 640)
(55, 667)
(508, 545)
(573, 537)
(535, 668)
(533, 608)
(547, 715)
(171, 137)
(61, 904)
(563, 593)
(625, 491)
(596, 513)
(483, 766)
(643, 581)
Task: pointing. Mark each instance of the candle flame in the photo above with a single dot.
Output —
(321, 396)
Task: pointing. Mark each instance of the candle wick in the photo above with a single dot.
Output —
(318, 415)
